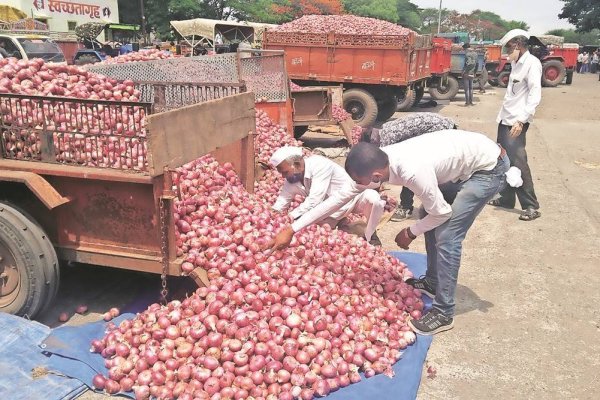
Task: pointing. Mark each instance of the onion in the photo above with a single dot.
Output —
(99, 382)
(81, 309)
(63, 317)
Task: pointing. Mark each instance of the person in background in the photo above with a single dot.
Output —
(585, 64)
(173, 48)
(3, 51)
(579, 62)
(454, 173)
(594, 62)
(523, 95)
(468, 73)
(316, 178)
(401, 129)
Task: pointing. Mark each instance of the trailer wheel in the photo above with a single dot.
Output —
(299, 131)
(445, 92)
(362, 105)
(419, 92)
(553, 73)
(569, 77)
(503, 79)
(483, 79)
(24, 289)
(387, 109)
(408, 100)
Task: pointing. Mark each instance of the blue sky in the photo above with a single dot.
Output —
(540, 15)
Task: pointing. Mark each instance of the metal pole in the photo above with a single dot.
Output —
(143, 27)
(440, 17)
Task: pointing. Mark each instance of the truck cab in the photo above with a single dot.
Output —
(26, 47)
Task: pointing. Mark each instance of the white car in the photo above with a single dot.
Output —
(26, 47)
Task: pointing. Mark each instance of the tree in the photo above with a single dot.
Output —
(408, 14)
(584, 14)
(381, 9)
(591, 38)
(429, 19)
(288, 10)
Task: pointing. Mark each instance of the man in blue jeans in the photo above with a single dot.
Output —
(468, 73)
(454, 173)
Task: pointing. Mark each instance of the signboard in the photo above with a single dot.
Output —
(92, 11)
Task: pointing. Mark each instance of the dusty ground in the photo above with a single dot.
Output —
(528, 321)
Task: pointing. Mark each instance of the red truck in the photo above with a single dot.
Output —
(380, 74)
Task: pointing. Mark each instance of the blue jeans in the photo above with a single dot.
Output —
(444, 243)
(468, 86)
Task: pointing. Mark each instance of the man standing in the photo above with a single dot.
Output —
(401, 129)
(594, 62)
(585, 63)
(454, 173)
(316, 178)
(468, 73)
(579, 62)
(523, 94)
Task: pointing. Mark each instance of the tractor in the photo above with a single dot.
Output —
(121, 39)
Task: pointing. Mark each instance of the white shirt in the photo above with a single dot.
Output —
(524, 91)
(422, 164)
(322, 178)
(580, 57)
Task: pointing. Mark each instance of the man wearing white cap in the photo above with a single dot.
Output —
(523, 94)
(317, 178)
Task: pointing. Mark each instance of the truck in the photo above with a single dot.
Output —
(379, 73)
(558, 59)
(26, 39)
(440, 65)
(118, 39)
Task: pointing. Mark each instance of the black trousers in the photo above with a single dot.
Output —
(515, 149)
(406, 198)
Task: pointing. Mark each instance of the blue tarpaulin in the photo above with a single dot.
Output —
(68, 348)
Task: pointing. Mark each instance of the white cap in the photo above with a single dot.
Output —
(283, 153)
(513, 34)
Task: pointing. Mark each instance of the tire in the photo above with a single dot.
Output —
(362, 105)
(493, 82)
(408, 100)
(569, 77)
(419, 92)
(25, 288)
(503, 79)
(86, 59)
(483, 79)
(299, 131)
(445, 92)
(553, 73)
(387, 109)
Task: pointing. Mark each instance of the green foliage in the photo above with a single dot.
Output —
(382, 9)
(584, 14)
(591, 38)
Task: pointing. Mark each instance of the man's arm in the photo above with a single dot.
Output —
(534, 84)
(318, 190)
(425, 186)
(285, 197)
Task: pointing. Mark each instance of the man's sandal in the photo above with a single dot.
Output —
(497, 203)
(530, 214)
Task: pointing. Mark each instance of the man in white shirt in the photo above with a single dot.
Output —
(579, 62)
(316, 178)
(523, 94)
(454, 173)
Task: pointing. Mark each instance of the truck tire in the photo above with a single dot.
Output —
(553, 73)
(362, 105)
(503, 79)
(445, 92)
(406, 103)
(299, 131)
(387, 109)
(85, 59)
(569, 77)
(24, 288)
(419, 92)
(483, 79)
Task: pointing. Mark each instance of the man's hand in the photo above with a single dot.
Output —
(516, 129)
(403, 240)
(282, 239)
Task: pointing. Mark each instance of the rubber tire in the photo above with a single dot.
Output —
(569, 77)
(452, 87)
(368, 102)
(483, 79)
(387, 109)
(51, 265)
(501, 79)
(561, 75)
(299, 131)
(493, 82)
(20, 238)
(419, 93)
(409, 99)
(86, 59)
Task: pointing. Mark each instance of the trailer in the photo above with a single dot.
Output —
(453, 82)
(55, 208)
(379, 73)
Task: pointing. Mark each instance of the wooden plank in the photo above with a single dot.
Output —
(179, 136)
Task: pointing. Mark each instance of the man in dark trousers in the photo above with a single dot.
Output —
(523, 94)
(468, 73)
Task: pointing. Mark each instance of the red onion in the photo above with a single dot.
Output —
(99, 382)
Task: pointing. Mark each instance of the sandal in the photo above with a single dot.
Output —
(498, 203)
(530, 214)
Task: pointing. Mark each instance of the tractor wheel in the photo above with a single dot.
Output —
(406, 103)
(86, 59)
(569, 77)
(387, 108)
(419, 92)
(299, 131)
(445, 92)
(362, 105)
(503, 79)
(483, 79)
(28, 265)
(553, 73)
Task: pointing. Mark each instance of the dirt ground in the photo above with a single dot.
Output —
(528, 321)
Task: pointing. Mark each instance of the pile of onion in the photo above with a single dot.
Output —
(293, 324)
(342, 24)
(142, 55)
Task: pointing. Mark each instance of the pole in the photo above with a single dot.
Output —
(440, 17)
(143, 20)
